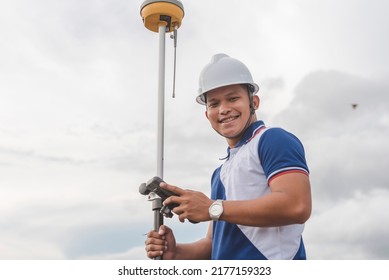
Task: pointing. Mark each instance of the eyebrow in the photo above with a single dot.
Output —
(226, 95)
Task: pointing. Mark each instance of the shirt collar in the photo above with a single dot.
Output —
(249, 134)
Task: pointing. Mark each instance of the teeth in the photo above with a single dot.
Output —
(229, 119)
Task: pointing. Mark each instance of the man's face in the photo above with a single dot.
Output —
(228, 110)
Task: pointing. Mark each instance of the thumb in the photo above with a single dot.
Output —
(167, 233)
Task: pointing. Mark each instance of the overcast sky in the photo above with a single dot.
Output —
(78, 99)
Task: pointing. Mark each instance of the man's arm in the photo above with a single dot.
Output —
(289, 202)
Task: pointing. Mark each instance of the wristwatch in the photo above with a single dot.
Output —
(216, 210)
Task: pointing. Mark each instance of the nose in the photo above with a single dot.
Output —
(224, 108)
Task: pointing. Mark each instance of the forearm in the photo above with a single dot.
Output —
(269, 211)
(282, 206)
(199, 250)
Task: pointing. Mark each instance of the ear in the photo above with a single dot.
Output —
(256, 101)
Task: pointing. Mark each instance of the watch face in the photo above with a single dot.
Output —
(216, 209)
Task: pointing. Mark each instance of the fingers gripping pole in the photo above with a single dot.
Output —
(156, 206)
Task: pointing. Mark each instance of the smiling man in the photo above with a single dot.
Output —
(227, 111)
(260, 196)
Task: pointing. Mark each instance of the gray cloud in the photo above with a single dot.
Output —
(323, 102)
(346, 151)
(344, 139)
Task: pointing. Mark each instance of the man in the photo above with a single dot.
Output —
(260, 196)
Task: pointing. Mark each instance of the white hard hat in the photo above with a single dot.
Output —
(223, 71)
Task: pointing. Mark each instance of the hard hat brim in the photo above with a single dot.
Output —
(201, 99)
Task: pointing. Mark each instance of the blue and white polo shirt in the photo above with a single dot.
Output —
(261, 155)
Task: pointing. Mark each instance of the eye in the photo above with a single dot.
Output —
(212, 105)
(233, 98)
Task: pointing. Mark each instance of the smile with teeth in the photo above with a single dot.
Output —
(229, 119)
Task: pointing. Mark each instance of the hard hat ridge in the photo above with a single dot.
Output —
(224, 70)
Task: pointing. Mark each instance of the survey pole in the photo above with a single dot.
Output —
(161, 100)
(161, 16)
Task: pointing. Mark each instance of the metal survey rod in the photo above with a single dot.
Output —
(161, 99)
(160, 16)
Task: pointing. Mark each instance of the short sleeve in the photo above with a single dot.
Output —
(281, 151)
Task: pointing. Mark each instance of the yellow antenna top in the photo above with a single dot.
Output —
(157, 12)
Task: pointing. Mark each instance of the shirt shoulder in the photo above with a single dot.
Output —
(280, 151)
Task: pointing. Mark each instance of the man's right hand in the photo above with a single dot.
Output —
(161, 243)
